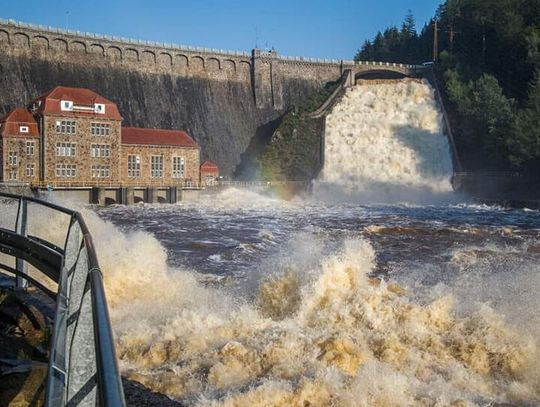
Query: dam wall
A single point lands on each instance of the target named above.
(222, 98)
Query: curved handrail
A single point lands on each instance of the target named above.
(83, 367)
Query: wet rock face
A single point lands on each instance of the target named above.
(220, 114)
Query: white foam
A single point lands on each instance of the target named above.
(385, 143)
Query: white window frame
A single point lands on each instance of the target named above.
(30, 147)
(100, 151)
(30, 170)
(12, 158)
(23, 129)
(178, 167)
(66, 127)
(134, 166)
(156, 166)
(100, 171)
(66, 149)
(210, 180)
(13, 175)
(100, 129)
(66, 170)
(66, 105)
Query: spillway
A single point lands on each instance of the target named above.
(384, 141)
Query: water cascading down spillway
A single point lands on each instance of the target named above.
(384, 142)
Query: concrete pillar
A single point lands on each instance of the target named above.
(265, 79)
(175, 194)
(350, 79)
(98, 196)
(151, 195)
(127, 196)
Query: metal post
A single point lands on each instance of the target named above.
(22, 227)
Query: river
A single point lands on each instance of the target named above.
(244, 299)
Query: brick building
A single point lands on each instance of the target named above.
(80, 133)
(74, 137)
(159, 156)
(209, 173)
(19, 147)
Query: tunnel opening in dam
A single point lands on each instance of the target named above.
(379, 74)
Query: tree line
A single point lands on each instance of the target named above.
(488, 58)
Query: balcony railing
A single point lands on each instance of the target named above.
(82, 368)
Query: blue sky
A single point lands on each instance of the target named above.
(312, 28)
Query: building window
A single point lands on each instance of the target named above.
(23, 129)
(101, 150)
(178, 167)
(210, 180)
(12, 176)
(66, 105)
(30, 170)
(99, 108)
(65, 149)
(100, 129)
(156, 168)
(134, 166)
(66, 170)
(66, 126)
(101, 171)
(30, 145)
(12, 158)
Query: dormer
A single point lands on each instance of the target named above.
(66, 105)
(99, 108)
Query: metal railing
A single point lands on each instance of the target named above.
(269, 184)
(82, 368)
(85, 184)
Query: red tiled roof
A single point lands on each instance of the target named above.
(209, 166)
(11, 123)
(156, 137)
(49, 103)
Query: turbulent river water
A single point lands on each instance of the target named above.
(244, 300)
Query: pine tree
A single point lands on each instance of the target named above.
(525, 145)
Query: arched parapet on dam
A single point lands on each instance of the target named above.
(384, 70)
(22, 39)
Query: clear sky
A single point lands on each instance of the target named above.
(311, 28)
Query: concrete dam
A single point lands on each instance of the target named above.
(222, 98)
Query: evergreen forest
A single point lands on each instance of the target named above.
(486, 54)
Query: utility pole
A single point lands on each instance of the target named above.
(452, 34)
(435, 40)
(484, 48)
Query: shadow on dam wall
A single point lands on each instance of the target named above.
(248, 169)
(221, 115)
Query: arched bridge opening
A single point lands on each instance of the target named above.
(379, 74)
